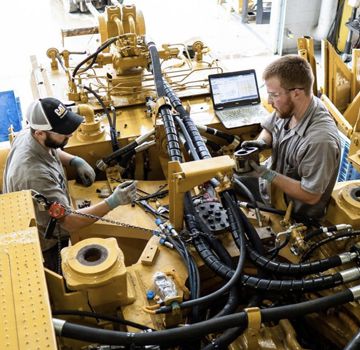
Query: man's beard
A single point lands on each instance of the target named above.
(286, 113)
(49, 142)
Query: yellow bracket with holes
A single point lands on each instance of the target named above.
(25, 315)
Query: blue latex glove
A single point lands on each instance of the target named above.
(123, 194)
(260, 144)
(84, 170)
(262, 171)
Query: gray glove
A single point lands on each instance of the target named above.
(262, 171)
(84, 170)
(123, 194)
(260, 144)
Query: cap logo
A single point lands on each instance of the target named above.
(60, 111)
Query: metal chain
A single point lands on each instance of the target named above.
(118, 223)
(42, 200)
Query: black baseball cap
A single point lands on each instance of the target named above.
(50, 114)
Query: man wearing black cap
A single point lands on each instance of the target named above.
(36, 162)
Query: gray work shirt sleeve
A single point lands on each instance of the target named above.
(317, 166)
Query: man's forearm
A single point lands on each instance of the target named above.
(266, 136)
(73, 222)
(293, 189)
(65, 157)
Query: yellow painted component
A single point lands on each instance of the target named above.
(356, 72)
(344, 31)
(339, 80)
(103, 30)
(96, 266)
(254, 325)
(306, 50)
(25, 315)
(4, 151)
(254, 318)
(344, 206)
(185, 176)
(343, 125)
(52, 53)
(150, 252)
(354, 151)
(91, 129)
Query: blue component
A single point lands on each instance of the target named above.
(346, 170)
(150, 295)
(162, 240)
(10, 113)
(158, 221)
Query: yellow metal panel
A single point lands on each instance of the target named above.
(25, 315)
(343, 33)
(16, 211)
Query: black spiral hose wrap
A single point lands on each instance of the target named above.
(172, 139)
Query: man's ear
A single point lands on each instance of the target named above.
(40, 134)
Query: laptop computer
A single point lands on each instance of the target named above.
(236, 98)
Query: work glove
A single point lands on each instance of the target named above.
(259, 144)
(84, 170)
(123, 194)
(262, 171)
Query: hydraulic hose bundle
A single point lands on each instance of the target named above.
(172, 336)
(190, 126)
(165, 109)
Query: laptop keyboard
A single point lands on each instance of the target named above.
(245, 115)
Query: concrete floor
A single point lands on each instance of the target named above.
(31, 27)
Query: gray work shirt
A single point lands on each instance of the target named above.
(30, 166)
(309, 152)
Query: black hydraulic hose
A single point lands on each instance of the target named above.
(210, 297)
(156, 69)
(252, 234)
(218, 249)
(173, 146)
(101, 317)
(193, 131)
(354, 343)
(245, 190)
(307, 307)
(231, 304)
(321, 230)
(113, 132)
(196, 137)
(120, 152)
(233, 298)
(262, 284)
(213, 145)
(175, 336)
(293, 269)
(232, 281)
(190, 126)
(317, 245)
(319, 283)
(225, 339)
(93, 56)
(187, 137)
(211, 131)
(300, 218)
(273, 252)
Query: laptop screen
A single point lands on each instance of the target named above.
(234, 89)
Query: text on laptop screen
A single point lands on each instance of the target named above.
(234, 88)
